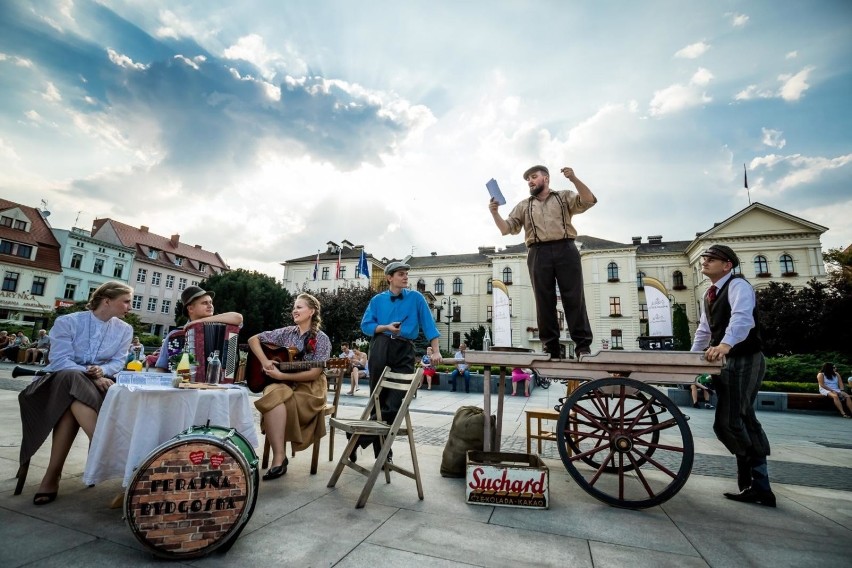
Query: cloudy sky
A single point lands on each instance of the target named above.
(263, 129)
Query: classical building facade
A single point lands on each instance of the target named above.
(335, 267)
(772, 246)
(87, 263)
(30, 265)
(162, 267)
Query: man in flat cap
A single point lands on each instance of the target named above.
(729, 328)
(553, 259)
(198, 305)
(393, 320)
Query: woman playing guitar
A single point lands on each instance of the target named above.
(292, 402)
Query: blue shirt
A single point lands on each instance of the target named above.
(411, 309)
(81, 339)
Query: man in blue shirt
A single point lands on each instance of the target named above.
(728, 328)
(393, 320)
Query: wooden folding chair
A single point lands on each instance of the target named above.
(387, 433)
(337, 370)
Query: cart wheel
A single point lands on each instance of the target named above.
(628, 428)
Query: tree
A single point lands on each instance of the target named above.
(139, 327)
(261, 300)
(475, 338)
(342, 311)
(680, 325)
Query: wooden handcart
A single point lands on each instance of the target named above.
(621, 439)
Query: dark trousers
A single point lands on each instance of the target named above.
(549, 264)
(736, 424)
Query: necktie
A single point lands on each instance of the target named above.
(711, 294)
(395, 298)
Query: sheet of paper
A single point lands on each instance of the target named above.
(494, 191)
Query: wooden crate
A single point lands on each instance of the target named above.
(507, 480)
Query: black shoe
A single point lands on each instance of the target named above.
(696, 405)
(454, 390)
(752, 495)
(467, 391)
(353, 457)
(276, 472)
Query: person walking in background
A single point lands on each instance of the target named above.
(831, 385)
(729, 328)
(553, 259)
(462, 369)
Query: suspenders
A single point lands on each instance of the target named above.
(532, 221)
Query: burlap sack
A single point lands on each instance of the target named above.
(466, 433)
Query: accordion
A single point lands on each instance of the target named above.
(202, 339)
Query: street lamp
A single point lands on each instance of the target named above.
(450, 303)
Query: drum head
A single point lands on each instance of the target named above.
(192, 495)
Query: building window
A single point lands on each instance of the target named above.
(202, 267)
(153, 254)
(489, 286)
(614, 306)
(137, 302)
(456, 339)
(507, 276)
(178, 261)
(560, 315)
(325, 271)
(456, 313)
(643, 311)
(142, 275)
(10, 281)
(457, 285)
(342, 273)
(677, 280)
(39, 284)
(421, 285)
(76, 260)
(612, 272)
(92, 290)
(152, 304)
(155, 278)
(738, 269)
(6, 247)
(439, 286)
(6, 221)
(170, 281)
(195, 282)
(24, 251)
(181, 284)
(640, 280)
(70, 291)
(761, 267)
(489, 313)
(615, 339)
(787, 266)
(99, 266)
(118, 271)
(166, 307)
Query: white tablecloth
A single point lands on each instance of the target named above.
(133, 421)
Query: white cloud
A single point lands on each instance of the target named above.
(51, 93)
(678, 97)
(693, 51)
(19, 61)
(124, 61)
(773, 138)
(252, 48)
(794, 85)
(191, 62)
(8, 152)
(792, 55)
(802, 169)
(738, 20)
(753, 92)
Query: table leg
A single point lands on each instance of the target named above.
(486, 406)
(501, 391)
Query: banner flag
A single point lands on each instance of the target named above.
(316, 266)
(363, 269)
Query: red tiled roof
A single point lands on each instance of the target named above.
(145, 240)
(48, 255)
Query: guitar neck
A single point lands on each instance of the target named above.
(298, 365)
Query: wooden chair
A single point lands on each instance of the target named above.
(338, 370)
(387, 433)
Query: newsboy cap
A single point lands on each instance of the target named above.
(192, 293)
(722, 252)
(394, 266)
(534, 169)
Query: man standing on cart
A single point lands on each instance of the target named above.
(729, 328)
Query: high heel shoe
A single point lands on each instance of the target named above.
(276, 472)
(45, 498)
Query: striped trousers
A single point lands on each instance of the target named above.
(736, 424)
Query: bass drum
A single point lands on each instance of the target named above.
(194, 494)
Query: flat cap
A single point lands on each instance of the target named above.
(534, 169)
(394, 266)
(192, 293)
(722, 252)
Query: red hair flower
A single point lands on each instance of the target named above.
(312, 344)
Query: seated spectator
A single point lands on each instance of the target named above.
(14, 347)
(429, 371)
(521, 376)
(461, 369)
(136, 350)
(702, 383)
(39, 350)
(4, 339)
(359, 370)
(830, 385)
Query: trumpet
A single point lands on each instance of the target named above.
(20, 371)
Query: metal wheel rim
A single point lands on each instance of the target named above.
(638, 479)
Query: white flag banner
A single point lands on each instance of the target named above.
(501, 318)
(659, 308)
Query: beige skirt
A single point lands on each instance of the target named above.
(304, 402)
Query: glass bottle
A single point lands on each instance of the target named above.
(214, 369)
(183, 369)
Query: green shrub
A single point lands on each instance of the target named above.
(804, 368)
(779, 386)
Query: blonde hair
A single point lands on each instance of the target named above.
(108, 291)
(313, 303)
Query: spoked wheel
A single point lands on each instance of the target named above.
(543, 382)
(630, 430)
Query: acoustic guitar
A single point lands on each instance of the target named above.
(288, 360)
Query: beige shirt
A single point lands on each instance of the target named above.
(548, 220)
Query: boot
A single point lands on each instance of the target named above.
(743, 472)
